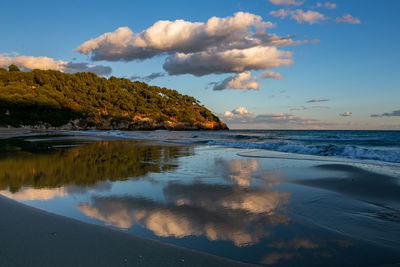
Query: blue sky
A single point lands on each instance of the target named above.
(354, 66)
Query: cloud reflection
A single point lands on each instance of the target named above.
(219, 212)
(27, 194)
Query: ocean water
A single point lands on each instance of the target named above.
(304, 198)
(380, 146)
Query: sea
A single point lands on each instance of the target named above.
(381, 147)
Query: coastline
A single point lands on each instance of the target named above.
(52, 240)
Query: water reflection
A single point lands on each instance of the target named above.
(23, 166)
(242, 215)
(214, 201)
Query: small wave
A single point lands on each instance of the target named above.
(331, 150)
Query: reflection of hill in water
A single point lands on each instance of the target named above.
(22, 164)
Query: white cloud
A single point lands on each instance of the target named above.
(241, 81)
(46, 63)
(281, 13)
(348, 19)
(271, 75)
(327, 5)
(299, 15)
(245, 81)
(346, 114)
(241, 111)
(286, 2)
(315, 100)
(175, 36)
(227, 61)
(307, 16)
(234, 44)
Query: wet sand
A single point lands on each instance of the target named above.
(32, 237)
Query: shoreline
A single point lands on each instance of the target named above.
(48, 239)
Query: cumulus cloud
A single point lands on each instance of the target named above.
(245, 81)
(228, 61)
(46, 63)
(175, 36)
(307, 16)
(286, 2)
(346, 114)
(394, 113)
(299, 15)
(234, 44)
(317, 100)
(238, 113)
(327, 5)
(149, 77)
(241, 81)
(348, 19)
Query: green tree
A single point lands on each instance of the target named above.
(13, 68)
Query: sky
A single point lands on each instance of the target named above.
(257, 64)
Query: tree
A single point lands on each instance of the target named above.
(13, 68)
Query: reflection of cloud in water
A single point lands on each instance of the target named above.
(295, 243)
(216, 211)
(29, 194)
(239, 170)
(222, 198)
(274, 257)
(244, 171)
(26, 194)
(292, 247)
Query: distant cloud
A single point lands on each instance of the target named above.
(281, 13)
(394, 113)
(327, 5)
(46, 63)
(348, 19)
(240, 113)
(307, 16)
(286, 2)
(149, 77)
(299, 15)
(346, 114)
(234, 44)
(272, 75)
(317, 100)
(246, 119)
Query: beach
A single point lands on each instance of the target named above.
(32, 237)
(113, 199)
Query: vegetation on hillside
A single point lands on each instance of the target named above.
(53, 98)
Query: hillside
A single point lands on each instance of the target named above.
(53, 99)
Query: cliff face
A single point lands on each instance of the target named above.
(138, 124)
(51, 99)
